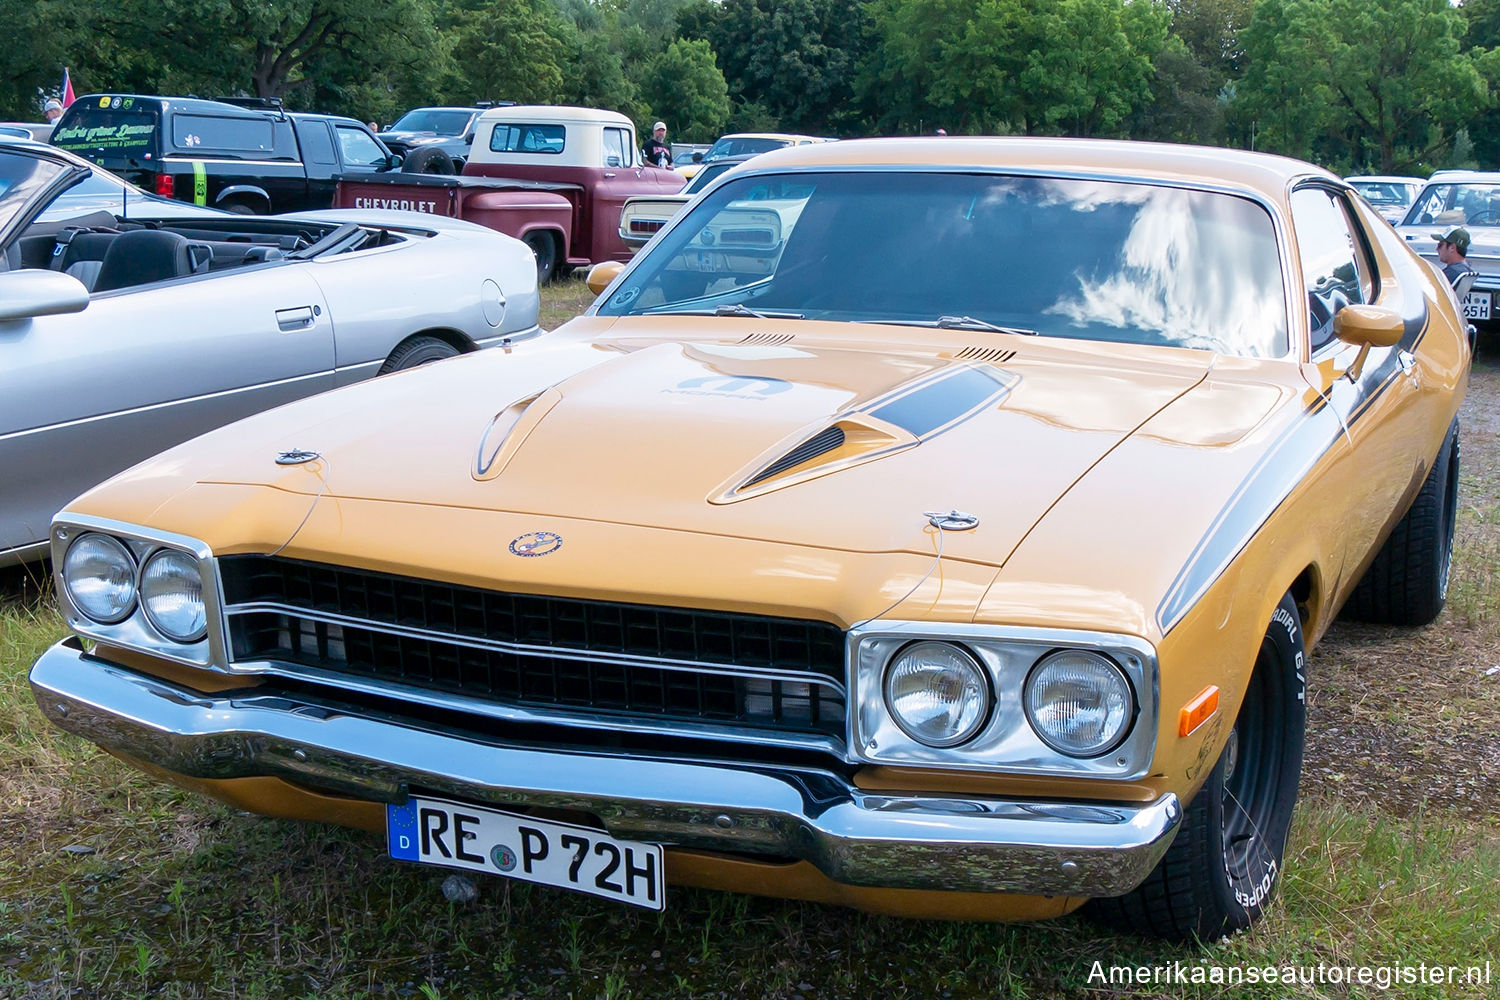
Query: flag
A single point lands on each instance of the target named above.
(68, 97)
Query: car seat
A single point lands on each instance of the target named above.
(148, 255)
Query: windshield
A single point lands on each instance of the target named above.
(1133, 263)
(705, 176)
(731, 145)
(1384, 193)
(434, 120)
(21, 178)
(1456, 205)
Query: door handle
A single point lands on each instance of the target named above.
(299, 318)
(608, 173)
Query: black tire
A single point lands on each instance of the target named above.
(427, 160)
(415, 351)
(1407, 584)
(548, 258)
(1225, 862)
(240, 208)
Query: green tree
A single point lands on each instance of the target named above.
(1362, 84)
(686, 89)
(514, 50)
(797, 58)
(1077, 67)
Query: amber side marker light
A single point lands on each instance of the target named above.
(1196, 712)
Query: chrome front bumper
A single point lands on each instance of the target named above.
(852, 836)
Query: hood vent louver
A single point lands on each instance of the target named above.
(989, 355)
(819, 444)
(766, 339)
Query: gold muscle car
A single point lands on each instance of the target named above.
(955, 556)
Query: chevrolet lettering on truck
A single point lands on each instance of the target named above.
(555, 178)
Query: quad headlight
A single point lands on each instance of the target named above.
(100, 576)
(171, 593)
(1079, 702)
(937, 693)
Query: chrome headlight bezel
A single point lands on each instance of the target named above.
(1007, 742)
(136, 631)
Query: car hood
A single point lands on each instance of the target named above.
(804, 438)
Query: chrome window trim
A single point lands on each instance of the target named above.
(522, 649)
(1296, 346)
(1007, 743)
(334, 681)
(136, 632)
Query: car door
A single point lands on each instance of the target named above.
(621, 176)
(140, 369)
(1381, 412)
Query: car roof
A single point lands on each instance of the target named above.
(1385, 179)
(1208, 166)
(198, 104)
(554, 113)
(1465, 177)
(792, 136)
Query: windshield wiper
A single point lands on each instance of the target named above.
(970, 323)
(734, 309)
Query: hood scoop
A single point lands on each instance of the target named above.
(895, 421)
(507, 430)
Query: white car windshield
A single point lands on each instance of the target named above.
(1475, 204)
(434, 120)
(1097, 260)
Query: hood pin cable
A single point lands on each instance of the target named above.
(943, 521)
(297, 456)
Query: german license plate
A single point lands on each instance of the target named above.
(458, 835)
(1477, 305)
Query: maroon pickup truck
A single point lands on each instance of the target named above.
(553, 177)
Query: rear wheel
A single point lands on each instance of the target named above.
(1223, 866)
(1407, 584)
(240, 208)
(415, 351)
(544, 246)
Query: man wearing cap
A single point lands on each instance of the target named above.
(52, 109)
(1452, 251)
(658, 153)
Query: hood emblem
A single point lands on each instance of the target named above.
(536, 543)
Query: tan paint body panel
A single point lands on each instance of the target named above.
(1212, 483)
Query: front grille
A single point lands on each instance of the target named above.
(558, 655)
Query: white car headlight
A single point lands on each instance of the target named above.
(1080, 703)
(172, 594)
(937, 693)
(99, 574)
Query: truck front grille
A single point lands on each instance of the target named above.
(577, 661)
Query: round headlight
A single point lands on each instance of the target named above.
(99, 573)
(172, 594)
(1080, 703)
(937, 694)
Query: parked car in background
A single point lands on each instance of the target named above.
(1468, 198)
(250, 156)
(26, 130)
(642, 216)
(553, 177)
(435, 140)
(129, 323)
(1391, 196)
(745, 144)
(909, 568)
(684, 153)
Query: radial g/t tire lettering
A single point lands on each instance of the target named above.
(1225, 863)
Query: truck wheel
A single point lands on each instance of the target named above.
(1224, 864)
(1407, 583)
(427, 160)
(240, 208)
(544, 245)
(415, 351)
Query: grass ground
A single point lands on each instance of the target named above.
(114, 886)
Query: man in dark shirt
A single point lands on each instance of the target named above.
(1452, 251)
(658, 153)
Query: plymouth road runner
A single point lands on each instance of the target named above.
(948, 545)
